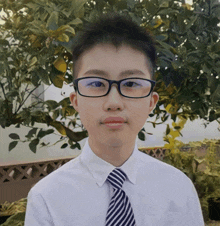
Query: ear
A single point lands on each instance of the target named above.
(73, 100)
(154, 100)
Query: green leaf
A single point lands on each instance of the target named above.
(59, 127)
(212, 116)
(31, 133)
(214, 56)
(199, 160)
(12, 145)
(167, 11)
(151, 7)
(16, 219)
(13, 93)
(111, 2)
(43, 76)
(131, 3)
(2, 68)
(1, 103)
(65, 102)
(164, 119)
(216, 47)
(33, 145)
(69, 110)
(164, 45)
(43, 133)
(141, 136)
(35, 79)
(163, 3)
(175, 65)
(215, 97)
(177, 127)
(14, 136)
(52, 104)
(56, 77)
(56, 114)
(64, 145)
(180, 20)
(67, 45)
(52, 22)
(78, 6)
(216, 10)
(162, 37)
(78, 146)
(191, 22)
(18, 125)
(70, 29)
(2, 122)
(75, 22)
(33, 61)
(4, 42)
(206, 69)
(167, 129)
(120, 5)
(196, 44)
(37, 113)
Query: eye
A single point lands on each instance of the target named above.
(131, 84)
(96, 84)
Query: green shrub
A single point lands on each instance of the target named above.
(16, 211)
(204, 171)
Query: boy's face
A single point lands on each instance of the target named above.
(93, 111)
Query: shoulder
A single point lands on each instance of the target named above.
(70, 171)
(164, 179)
(162, 171)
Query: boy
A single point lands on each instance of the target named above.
(111, 182)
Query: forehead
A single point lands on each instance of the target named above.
(107, 57)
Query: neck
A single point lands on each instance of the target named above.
(115, 153)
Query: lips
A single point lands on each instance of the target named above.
(114, 120)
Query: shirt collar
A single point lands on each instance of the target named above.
(100, 169)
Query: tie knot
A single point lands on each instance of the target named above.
(117, 178)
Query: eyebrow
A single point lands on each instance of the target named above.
(122, 74)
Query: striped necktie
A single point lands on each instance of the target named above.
(120, 212)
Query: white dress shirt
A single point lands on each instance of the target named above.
(78, 194)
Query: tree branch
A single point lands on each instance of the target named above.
(38, 97)
(26, 99)
(3, 90)
(8, 109)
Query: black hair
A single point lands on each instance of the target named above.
(117, 29)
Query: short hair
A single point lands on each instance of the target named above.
(117, 29)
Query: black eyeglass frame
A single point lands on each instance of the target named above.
(75, 84)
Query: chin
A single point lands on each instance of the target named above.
(115, 142)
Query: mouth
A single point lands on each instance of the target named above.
(114, 122)
(114, 125)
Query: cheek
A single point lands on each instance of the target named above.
(139, 114)
(89, 114)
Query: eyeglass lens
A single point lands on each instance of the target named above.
(130, 87)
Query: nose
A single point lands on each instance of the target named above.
(114, 99)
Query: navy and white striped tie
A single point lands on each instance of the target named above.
(120, 212)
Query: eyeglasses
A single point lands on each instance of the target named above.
(128, 87)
